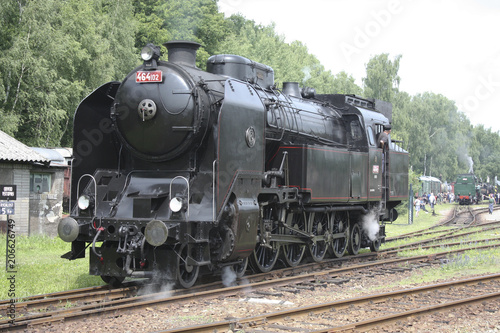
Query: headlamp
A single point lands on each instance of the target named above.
(150, 51)
(176, 204)
(146, 53)
(83, 202)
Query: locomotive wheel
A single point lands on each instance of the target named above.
(354, 239)
(186, 274)
(114, 281)
(375, 245)
(293, 252)
(319, 227)
(265, 256)
(340, 224)
(239, 269)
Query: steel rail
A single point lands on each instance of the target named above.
(163, 298)
(371, 323)
(324, 307)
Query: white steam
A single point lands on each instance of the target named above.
(159, 288)
(156, 292)
(370, 225)
(228, 276)
(307, 74)
(471, 164)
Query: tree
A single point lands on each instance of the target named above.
(291, 62)
(59, 51)
(435, 131)
(382, 79)
(150, 23)
(485, 149)
(344, 83)
(196, 20)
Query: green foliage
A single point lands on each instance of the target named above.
(150, 23)
(291, 62)
(194, 20)
(55, 52)
(344, 84)
(382, 79)
(59, 52)
(440, 139)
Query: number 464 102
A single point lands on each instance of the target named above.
(148, 76)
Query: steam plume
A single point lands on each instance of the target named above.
(370, 225)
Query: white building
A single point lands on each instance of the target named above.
(40, 186)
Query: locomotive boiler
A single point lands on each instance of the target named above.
(179, 172)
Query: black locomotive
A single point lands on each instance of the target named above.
(179, 172)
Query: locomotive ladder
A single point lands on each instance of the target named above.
(385, 184)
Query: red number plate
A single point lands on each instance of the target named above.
(148, 76)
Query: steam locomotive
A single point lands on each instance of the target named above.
(179, 172)
(467, 189)
(470, 189)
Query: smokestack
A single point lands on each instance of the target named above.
(291, 89)
(182, 52)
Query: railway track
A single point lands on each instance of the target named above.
(66, 298)
(80, 302)
(57, 307)
(461, 217)
(339, 316)
(447, 235)
(32, 318)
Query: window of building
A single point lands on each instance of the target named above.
(40, 182)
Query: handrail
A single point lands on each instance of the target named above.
(95, 191)
(213, 190)
(170, 190)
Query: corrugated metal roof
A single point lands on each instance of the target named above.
(67, 153)
(49, 154)
(55, 158)
(429, 178)
(15, 151)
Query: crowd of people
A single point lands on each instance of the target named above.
(430, 199)
(422, 201)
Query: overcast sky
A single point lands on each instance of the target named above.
(448, 47)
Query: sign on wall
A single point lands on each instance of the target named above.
(7, 208)
(8, 192)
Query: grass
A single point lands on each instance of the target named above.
(471, 262)
(458, 265)
(40, 268)
(423, 221)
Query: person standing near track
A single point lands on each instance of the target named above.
(491, 203)
(432, 202)
(417, 206)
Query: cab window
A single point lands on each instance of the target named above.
(371, 136)
(356, 132)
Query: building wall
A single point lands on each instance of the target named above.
(46, 208)
(35, 213)
(17, 174)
